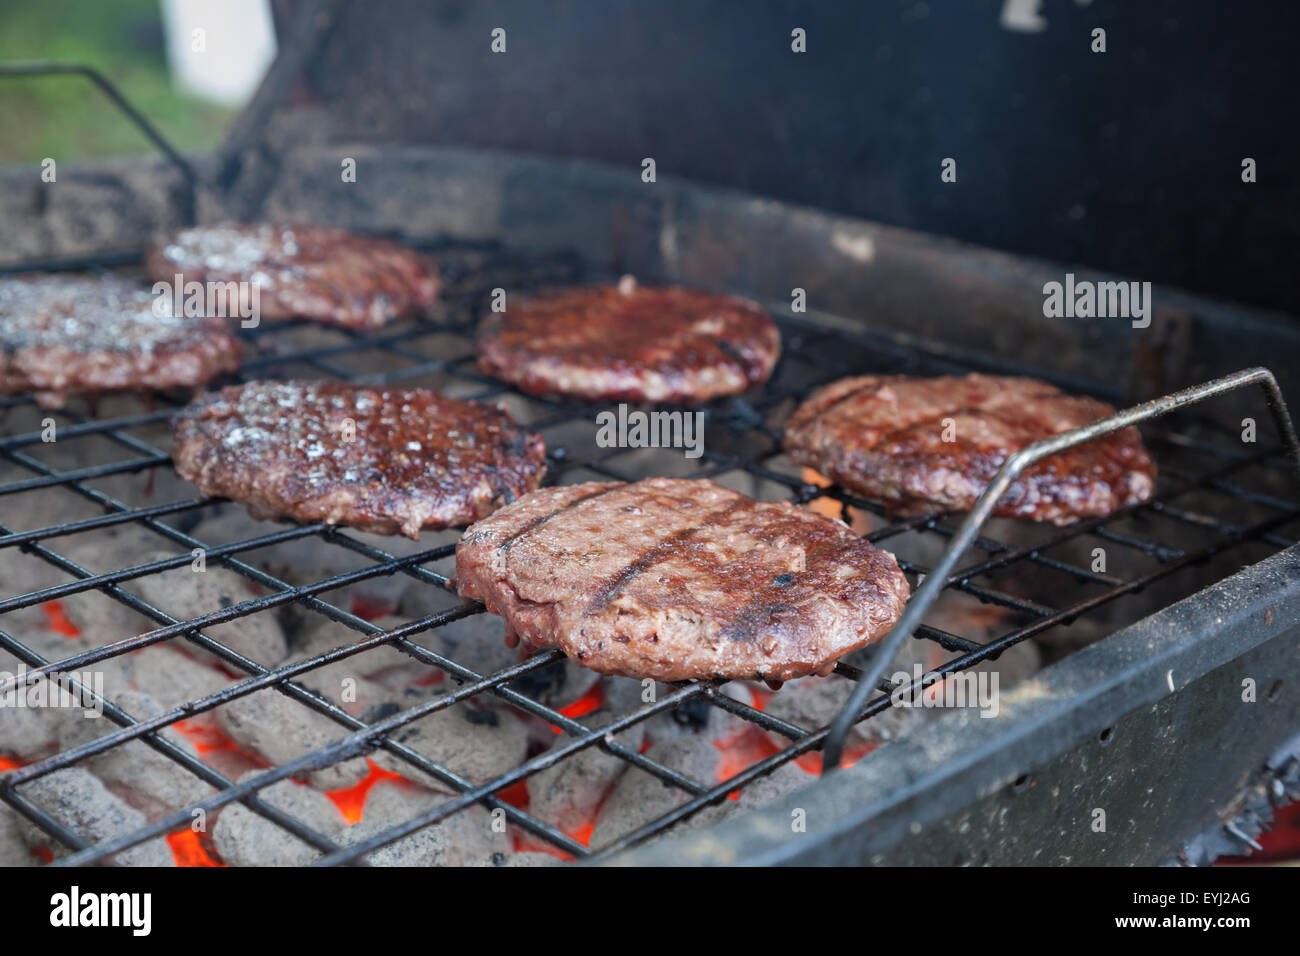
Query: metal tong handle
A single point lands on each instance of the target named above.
(188, 210)
(937, 579)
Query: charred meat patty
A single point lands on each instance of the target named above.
(675, 579)
(303, 271)
(630, 342)
(64, 335)
(926, 443)
(385, 460)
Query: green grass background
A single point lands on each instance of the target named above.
(67, 117)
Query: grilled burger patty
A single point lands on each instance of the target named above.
(63, 335)
(378, 459)
(675, 579)
(883, 437)
(303, 271)
(631, 342)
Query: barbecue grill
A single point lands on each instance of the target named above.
(1140, 712)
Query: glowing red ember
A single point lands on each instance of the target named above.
(352, 800)
(59, 621)
(188, 850)
(592, 700)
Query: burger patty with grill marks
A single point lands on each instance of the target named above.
(675, 579)
(303, 271)
(65, 335)
(925, 443)
(631, 342)
(384, 460)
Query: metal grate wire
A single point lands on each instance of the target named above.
(1225, 497)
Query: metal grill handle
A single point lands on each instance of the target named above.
(188, 209)
(1017, 462)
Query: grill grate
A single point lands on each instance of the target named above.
(1217, 503)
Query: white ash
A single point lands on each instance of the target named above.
(296, 561)
(102, 550)
(639, 797)
(245, 838)
(341, 685)
(145, 489)
(466, 838)
(472, 642)
(314, 634)
(786, 779)
(41, 507)
(568, 794)
(623, 696)
(693, 717)
(28, 733)
(347, 682)
(279, 730)
(150, 781)
(49, 644)
(390, 670)
(172, 676)
(811, 703)
(13, 847)
(186, 594)
(478, 743)
(180, 592)
(974, 620)
(104, 620)
(310, 558)
(477, 642)
(557, 684)
(1016, 663)
(519, 858)
(22, 573)
(81, 802)
(416, 599)
(480, 739)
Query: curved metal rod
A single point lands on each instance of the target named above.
(1017, 462)
(141, 122)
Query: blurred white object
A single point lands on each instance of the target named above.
(218, 50)
(1023, 16)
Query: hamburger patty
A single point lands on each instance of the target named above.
(378, 459)
(674, 579)
(631, 342)
(303, 271)
(884, 438)
(64, 335)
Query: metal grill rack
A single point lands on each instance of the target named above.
(1226, 497)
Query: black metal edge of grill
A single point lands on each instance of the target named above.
(656, 238)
